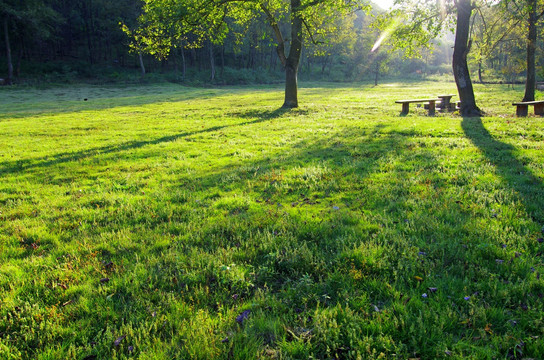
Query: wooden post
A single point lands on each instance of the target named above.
(522, 110)
(539, 109)
(405, 108)
(432, 107)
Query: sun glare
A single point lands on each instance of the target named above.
(387, 32)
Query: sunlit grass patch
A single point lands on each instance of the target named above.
(170, 222)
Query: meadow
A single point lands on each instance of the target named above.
(167, 222)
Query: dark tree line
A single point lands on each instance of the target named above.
(70, 30)
(84, 38)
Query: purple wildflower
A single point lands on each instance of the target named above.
(243, 316)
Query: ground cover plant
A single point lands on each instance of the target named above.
(164, 222)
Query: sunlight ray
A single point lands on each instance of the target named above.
(386, 33)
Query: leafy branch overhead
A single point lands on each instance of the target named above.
(165, 24)
(413, 25)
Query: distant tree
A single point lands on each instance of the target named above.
(7, 13)
(208, 19)
(531, 12)
(491, 29)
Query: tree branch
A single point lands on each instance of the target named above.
(280, 49)
(315, 42)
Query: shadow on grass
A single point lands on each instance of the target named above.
(265, 114)
(312, 266)
(511, 169)
(10, 167)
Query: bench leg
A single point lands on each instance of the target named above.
(432, 107)
(522, 110)
(405, 108)
(539, 109)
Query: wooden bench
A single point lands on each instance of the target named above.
(406, 105)
(522, 108)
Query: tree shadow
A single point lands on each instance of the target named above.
(399, 218)
(321, 151)
(265, 114)
(509, 167)
(10, 167)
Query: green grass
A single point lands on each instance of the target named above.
(167, 222)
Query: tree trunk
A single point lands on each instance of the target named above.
(500, 57)
(480, 77)
(293, 60)
(175, 60)
(530, 82)
(222, 60)
(252, 54)
(183, 63)
(376, 72)
(19, 60)
(88, 33)
(291, 88)
(324, 65)
(460, 66)
(142, 66)
(212, 63)
(9, 80)
(194, 58)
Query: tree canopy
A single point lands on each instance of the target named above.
(166, 23)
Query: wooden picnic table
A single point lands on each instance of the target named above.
(445, 102)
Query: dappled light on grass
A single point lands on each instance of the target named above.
(211, 227)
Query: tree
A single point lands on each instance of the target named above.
(491, 30)
(531, 50)
(460, 64)
(531, 11)
(338, 48)
(208, 20)
(424, 21)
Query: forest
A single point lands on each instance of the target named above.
(50, 41)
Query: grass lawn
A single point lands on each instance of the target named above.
(165, 222)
